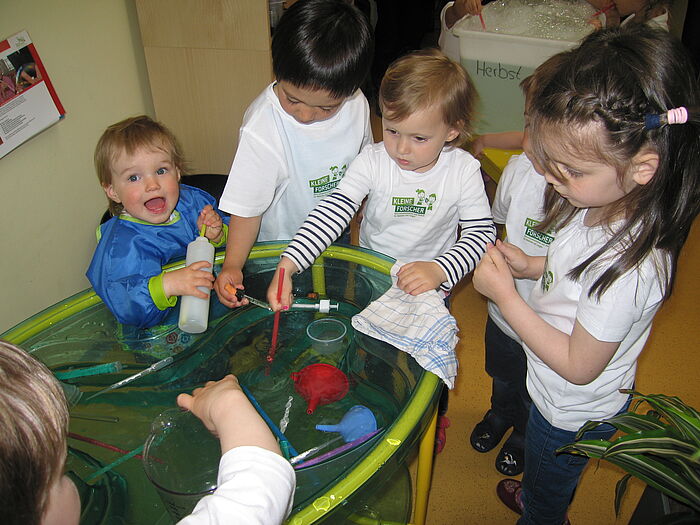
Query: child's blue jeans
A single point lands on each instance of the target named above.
(549, 480)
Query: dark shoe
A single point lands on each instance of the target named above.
(441, 434)
(509, 492)
(511, 459)
(488, 432)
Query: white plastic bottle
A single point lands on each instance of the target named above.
(194, 311)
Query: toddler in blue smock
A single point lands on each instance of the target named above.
(139, 163)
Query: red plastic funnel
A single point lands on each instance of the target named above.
(320, 384)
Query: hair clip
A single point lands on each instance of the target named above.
(673, 116)
(677, 115)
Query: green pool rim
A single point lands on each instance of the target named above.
(400, 431)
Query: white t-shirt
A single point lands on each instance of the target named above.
(624, 313)
(518, 205)
(414, 216)
(254, 487)
(283, 168)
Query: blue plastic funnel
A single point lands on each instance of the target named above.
(357, 422)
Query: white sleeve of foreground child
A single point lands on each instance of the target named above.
(255, 487)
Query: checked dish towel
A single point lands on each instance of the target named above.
(419, 325)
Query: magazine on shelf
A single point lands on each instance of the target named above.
(28, 101)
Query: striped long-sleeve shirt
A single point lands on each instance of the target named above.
(442, 215)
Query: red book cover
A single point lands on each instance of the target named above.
(28, 101)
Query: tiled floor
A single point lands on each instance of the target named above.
(464, 481)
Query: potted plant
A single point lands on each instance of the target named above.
(661, 447)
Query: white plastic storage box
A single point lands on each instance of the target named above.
(497, 63)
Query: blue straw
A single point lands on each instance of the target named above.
(276, 431)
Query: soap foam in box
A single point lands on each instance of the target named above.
(497, 63)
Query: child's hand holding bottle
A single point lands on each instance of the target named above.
(212, 220)
(185, 281)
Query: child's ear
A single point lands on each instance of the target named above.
(179, 175)
(111, 194)
(453, 134)
(645, 165)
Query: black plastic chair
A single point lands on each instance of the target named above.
(212, 183)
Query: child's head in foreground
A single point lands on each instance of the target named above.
(427, 101)
(616, 130)
(139, 163)
(33, 423)
(321, 54)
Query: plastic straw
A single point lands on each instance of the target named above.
(100, 444)
(153, 368)
(117, 462)
(336, 451)
(284, 447)
(203, 230)
(483, 24)
(301, 457)
(276, 323)
(90, 417)
(276, 431)
(106, 368)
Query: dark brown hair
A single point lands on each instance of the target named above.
(595, 107)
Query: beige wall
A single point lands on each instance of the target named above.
(50, 200)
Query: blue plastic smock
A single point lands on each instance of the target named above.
(131, 252)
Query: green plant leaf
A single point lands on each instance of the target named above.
(661, 447)
(676, 413)
(652, 471)
(627, 422)
(655, 442)
(620, 489)
(593, 448)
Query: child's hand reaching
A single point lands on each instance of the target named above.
(212, 220)
(492, 277)
(460, 9)
(477, 146)
(185, 281)
(420, 276)
(226, 412)
(286, 299)
(522, 266)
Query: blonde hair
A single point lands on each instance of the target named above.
(128, 136)
(428, 78)
(33, 428)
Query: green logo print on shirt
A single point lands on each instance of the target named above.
(325, 185)
(536, 237)
(413, 206)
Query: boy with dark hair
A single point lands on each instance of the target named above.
(302, 131)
